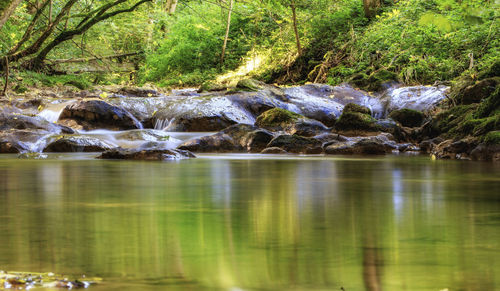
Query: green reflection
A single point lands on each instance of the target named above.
(395, 223)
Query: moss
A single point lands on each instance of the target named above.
(276, 117)
(490, 105)
(356, 121)
(373, 81)
(250, 85)
(408, 117)
(492, 137)
(446, 120)
(351, 107)
(478, 91)
(211, 86)
(491, 71)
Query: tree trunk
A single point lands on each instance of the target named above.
(6, 10)
(227, 32)
(370, 7)
(295, 29)
(171, 6)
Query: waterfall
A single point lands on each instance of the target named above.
(52, 112)
(163, 124)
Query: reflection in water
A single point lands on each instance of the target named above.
(315, 224)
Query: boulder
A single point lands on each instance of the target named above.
(352, 107)
(296, 144)
(450, 149)
(278, 119)
(22, 122)
(97, 114)
(362, 147)
(150, 155)
(202, 114)
(231, 139)
(76, 143)
(357, 122)
(407, 117)
(486, 152)
(256, 141)
(25, 140)
(273, 150)
(478, 91)
(7, 147)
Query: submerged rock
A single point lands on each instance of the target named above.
(76, 143)
(150, 155)
(97, 114)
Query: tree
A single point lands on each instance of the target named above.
(53, 34)
(370, 7)
(6, 10)
(295, 29)
(228, 25)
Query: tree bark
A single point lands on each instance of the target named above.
(171, 6)
(227, 31)
(7, 9)
(370, 7)
(295, 29)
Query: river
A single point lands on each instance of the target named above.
(253, 222)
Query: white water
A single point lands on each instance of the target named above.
(52, 112)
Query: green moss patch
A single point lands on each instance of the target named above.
(356, 121)
(277, 117)
(492, 137)
(351, 107)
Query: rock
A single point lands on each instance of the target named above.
(450, 149)
(144, 135)
(32, 156)
(26, 140)
(21, 122)
(203, 113)
(97, 114)
(7, 147)
(231, 139)
(373, 81)
(407, 117)
(138, 92)
(250, 85)
(351, 107)
(428, 145)
(273, 150)
(150, 155)
(421, 98)
(357, 122)
(486, 152)
(362, 147)
(76, 143)
(327, 138)
(278, 119)
(210, 86)
(478, 91)
(296, 144)
(256, 141)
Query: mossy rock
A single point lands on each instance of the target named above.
(492, 137)
(373, 81)
(445, 121)
(408, 117)
(250, 85)
(356, 121)
(277, 117)
(352, 107)
(79, 84)
(490, 105)
(477, 91)
(210, 86)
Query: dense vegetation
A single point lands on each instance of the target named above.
(412, 41)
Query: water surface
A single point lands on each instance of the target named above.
(243, 222)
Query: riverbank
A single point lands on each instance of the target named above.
(253, 117)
